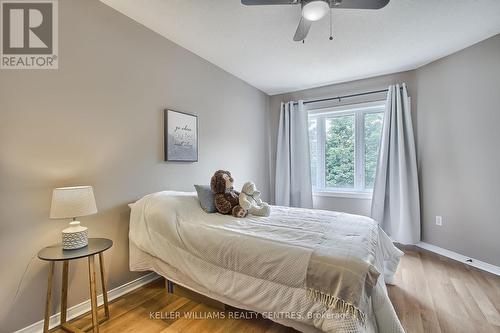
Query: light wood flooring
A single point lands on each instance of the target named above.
(432, 294)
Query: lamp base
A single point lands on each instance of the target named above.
(75, 236)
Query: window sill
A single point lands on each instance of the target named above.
(344, 194)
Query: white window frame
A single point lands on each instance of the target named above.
(359, 111)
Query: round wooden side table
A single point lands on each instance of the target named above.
(56, 253)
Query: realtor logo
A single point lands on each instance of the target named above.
(29, 34)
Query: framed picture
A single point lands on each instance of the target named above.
(181, 136)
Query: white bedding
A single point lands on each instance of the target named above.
(248, 264)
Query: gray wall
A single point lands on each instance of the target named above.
(456, 116)
(459, 153)
(98, 120)
(349, 205)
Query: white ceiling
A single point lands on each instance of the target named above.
(255, 43)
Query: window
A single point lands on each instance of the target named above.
(344, 144)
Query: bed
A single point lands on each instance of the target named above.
(313, 270)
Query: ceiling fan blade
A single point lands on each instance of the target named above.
(302, 30)
(268, 2)
(359, 4)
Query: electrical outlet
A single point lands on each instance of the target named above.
(439, 220)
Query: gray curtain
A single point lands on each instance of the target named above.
(395, 203)
(293, 170)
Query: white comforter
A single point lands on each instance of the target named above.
(231, 256)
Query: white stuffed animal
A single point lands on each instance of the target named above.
(250, 200)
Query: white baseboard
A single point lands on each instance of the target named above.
(459, 257)
(84, 307)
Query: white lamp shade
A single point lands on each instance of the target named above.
(70, 202)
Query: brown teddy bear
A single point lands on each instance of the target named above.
(226, 198)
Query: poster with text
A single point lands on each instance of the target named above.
(181, 137)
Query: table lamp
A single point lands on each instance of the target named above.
(70, 203)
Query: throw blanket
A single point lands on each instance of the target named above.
(341, 270)
(328, 253)
(341, 273)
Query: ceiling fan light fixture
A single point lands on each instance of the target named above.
(315, 10)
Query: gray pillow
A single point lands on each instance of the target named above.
(206, 198)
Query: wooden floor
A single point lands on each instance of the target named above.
(435, 294)
(432, 294)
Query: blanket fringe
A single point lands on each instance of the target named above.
(336, 303)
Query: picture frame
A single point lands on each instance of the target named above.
(181, 136)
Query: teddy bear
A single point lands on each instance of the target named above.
(225, 197)
(250, 200)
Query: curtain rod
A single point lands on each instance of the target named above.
(345, 96)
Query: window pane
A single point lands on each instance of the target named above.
(313, 147)
(373, 130)
(339, 153)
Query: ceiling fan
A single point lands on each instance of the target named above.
(314, 10)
